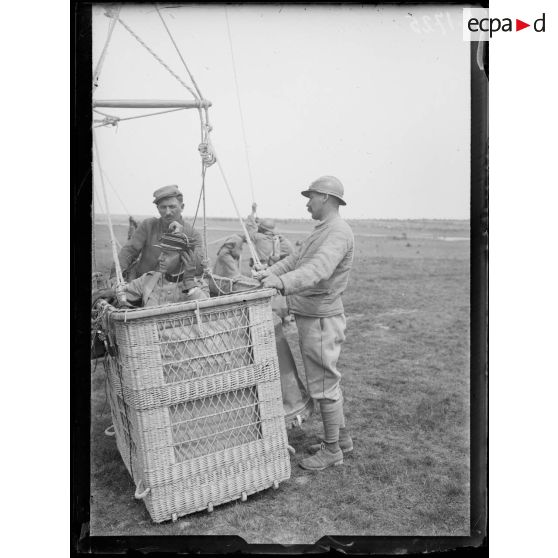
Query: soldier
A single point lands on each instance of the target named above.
(227, 263)
(173, 282)
(270, 246)
(313, 281)
(141, 254)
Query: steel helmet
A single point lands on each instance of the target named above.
(327, 185)
(267, 225)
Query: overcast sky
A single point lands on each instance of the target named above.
(373, 95)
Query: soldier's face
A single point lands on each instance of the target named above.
(316, 204)
(169, 261)
(170, 209)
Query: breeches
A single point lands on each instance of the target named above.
(320, 342)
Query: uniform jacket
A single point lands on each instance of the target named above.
(316, 276)
(270, 247)
(226, 265)
(142, 242)
(153, 290)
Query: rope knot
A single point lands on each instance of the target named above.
(207, 154)
(110, 121)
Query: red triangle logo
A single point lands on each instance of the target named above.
(519, 25)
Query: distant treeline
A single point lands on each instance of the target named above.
(388, 223)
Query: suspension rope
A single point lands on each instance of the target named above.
(111, 120)
(251, 247)
(121, 295)
(240, 107)
(178, 51)
(198, 205)
(104, 212)
(206, 258)
(117, 195)
(101, 61)
(138, 39)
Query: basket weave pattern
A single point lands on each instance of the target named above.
(196, 401)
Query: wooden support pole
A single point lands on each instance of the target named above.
(134, 103)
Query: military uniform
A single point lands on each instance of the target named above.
(313, 281)
(155, 288)
(227, 263)
(144, 242)
(269, 246)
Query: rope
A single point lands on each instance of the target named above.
(240, 107)
(179, 53)
(206, 258)
(230, 281)
(157, 58)
(251, 247)
(120, 280)
(101, 207)
(111, 120)
(198, 206)
(205, 149)
(117, 195)
(101, 61)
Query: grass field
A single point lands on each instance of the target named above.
(405, 368)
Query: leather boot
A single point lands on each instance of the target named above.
(329, 452)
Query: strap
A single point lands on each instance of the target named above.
(150, 284)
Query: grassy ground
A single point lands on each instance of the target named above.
(405, 368)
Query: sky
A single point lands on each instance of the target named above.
(377, 96)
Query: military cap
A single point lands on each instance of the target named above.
(173, 241)
(267, 225)
(171, 191)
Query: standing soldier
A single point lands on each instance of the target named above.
(314, 280)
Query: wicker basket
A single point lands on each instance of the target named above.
(196, 401)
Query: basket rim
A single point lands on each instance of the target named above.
(127, 314)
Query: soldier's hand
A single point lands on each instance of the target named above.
(272, 282)
(124, 304)
(259, 274)
(254, 207)
(176, 227)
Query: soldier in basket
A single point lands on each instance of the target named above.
(173, 282)
(141, 253)
(227, 263)
(313, 280)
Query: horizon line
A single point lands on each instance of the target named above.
(302, 219)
